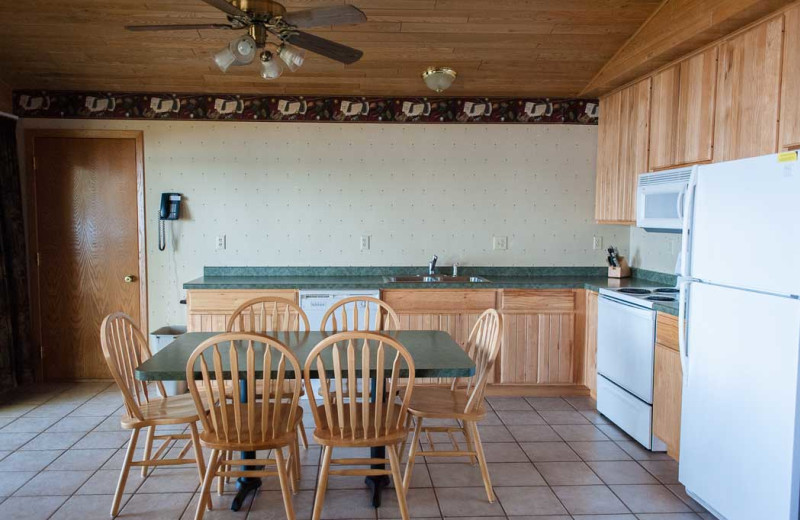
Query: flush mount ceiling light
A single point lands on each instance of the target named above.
(439, 78)
(265, 18)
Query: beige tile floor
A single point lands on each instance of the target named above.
(61, 449)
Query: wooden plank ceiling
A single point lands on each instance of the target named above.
(498, 48)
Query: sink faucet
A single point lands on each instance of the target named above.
(432, 266)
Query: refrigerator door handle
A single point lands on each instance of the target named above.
(688, 208)
(683, 352)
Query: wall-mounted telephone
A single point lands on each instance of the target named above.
(170, 210)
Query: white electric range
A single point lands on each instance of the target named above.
(626, 335)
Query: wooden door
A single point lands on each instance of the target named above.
(88, 236)
(790, 101)
(749, 93)
(694, 140)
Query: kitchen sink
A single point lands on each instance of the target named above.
(435, 279)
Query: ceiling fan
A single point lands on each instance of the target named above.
(263, 18)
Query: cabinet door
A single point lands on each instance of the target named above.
(608, 156)
(664, 117)
(667, 389)
(749, 90)
(695, 115)
(790, 101)
(622, 152)
(590, 356)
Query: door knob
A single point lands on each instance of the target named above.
(129, 278)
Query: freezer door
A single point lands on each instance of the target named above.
(744, 226)
(739, 427)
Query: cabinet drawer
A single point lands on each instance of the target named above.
(425, 301)
(538, 301)
(667, 330)
(225, 301)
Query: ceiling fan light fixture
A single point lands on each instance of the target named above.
(270, 67)
(244, 48)
(439, 79)
(224, 59)
(292, 56)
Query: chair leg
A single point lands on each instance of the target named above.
(205, 495)
(222, 480)
(294, 473)
(394, 462)
(123, 474)
(228, 456)
(302, 431)
(198, 454)
(404, 442)
(284, 479)
(487, 482)
(412, 454)
(468, 437)
(148, 448)
(322, 484)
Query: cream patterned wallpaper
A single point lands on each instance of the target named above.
(303, 194)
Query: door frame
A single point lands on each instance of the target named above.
(32, 238)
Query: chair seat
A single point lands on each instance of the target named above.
(328, 436)
(279, 432)
(442, 403)
(162, 411)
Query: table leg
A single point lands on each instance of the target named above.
(244, 485)
(377, 483)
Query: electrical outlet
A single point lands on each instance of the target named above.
(499, 243)
(364, 243)
(597, 243)
(220, 243)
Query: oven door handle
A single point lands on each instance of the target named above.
(642, 310)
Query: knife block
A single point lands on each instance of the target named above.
(623, 271)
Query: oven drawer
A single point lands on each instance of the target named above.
(626, 346)
(626, 411)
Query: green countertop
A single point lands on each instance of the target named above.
(591, 278)
(435, 354)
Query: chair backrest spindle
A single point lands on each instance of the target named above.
(482, 347)
(268, 314)
(345, 316)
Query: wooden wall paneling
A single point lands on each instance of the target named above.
(790, 81)
(694, 142)
(664, 117)
(667, 390)
(747, 107)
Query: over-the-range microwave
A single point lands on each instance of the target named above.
(660, 199)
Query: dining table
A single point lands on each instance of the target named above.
(435, 353)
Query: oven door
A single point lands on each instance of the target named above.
(626, 346)
(661, 207)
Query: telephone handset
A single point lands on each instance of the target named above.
(170, 210)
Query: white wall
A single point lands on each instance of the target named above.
(654, 251)
(302, 194)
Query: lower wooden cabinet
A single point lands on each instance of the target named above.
(667, 385)
(590, 342)
(538, 337)
(208, 310)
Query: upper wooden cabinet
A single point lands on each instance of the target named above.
(622, 152)
(682, 113)
(790, 101)
(748, 97)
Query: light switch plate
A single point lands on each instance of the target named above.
(499, 243)
(597, 243)
(364, 243)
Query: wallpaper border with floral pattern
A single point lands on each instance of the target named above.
(277, 108)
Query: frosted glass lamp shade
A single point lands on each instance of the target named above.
(292, 56)
(439, 79)
(270, 67)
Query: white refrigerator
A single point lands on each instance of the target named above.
(740, 346)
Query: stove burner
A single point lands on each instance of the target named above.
(634, 290)
(660, 299)
(666, 290)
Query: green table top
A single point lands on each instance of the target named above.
(435, 354)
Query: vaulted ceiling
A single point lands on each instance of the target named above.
(499, 47)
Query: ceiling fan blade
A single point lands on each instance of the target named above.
(178, 27)
(325, 47)
(227, 8)
(334, 15)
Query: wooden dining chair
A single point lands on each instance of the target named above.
(354, 314)
(243, 422)
(462, 402)
(270, 314)
(375, 362)
(124, 349)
